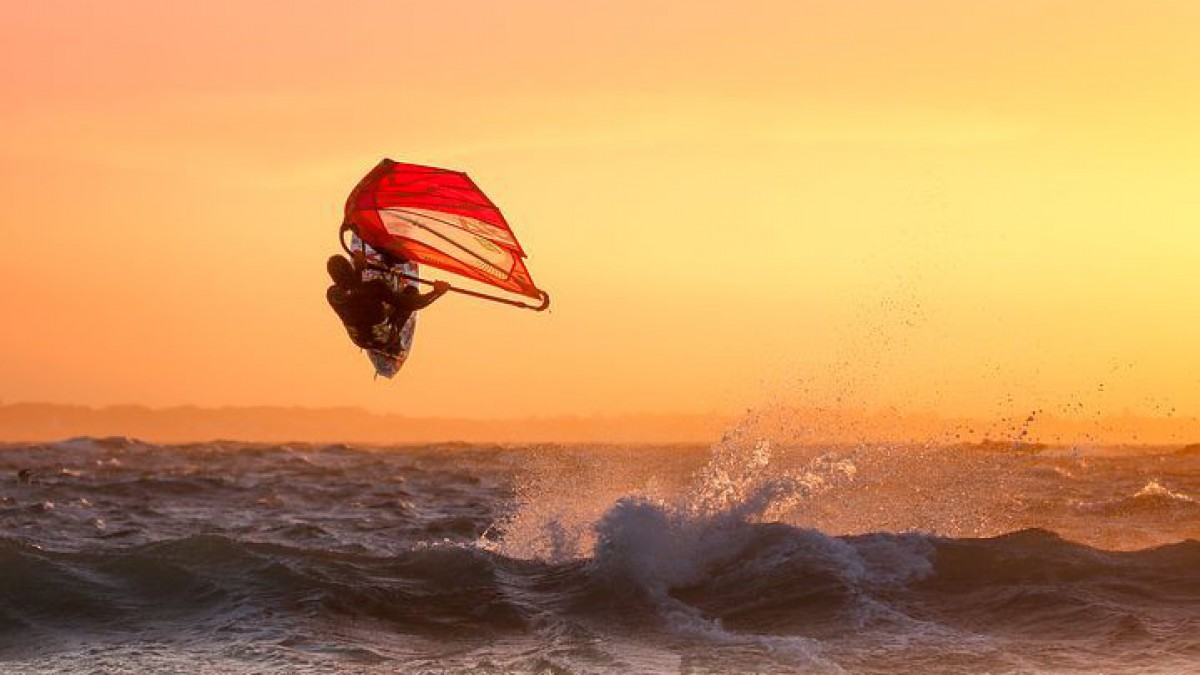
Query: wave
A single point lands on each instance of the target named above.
(762, 579)
(1151, 499)
(221, 579)
(719, 564)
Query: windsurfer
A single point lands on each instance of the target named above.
(369, 308)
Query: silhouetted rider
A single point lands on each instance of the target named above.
(372, 311)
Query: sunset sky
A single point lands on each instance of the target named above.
(964, 207)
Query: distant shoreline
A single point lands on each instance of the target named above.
(42, 422)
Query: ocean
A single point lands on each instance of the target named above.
(119, 556)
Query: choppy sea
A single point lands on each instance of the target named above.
(118, 556)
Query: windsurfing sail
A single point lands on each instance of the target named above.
(440, 218)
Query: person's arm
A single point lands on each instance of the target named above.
(412, 300)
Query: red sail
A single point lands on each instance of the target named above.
(440, 218)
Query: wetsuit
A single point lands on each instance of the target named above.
(373, 312)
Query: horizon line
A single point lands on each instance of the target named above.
(41, 421)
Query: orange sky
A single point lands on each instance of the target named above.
(966, 207)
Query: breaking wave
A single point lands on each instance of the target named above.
(746, 556)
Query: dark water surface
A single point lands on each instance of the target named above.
(118, 556)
